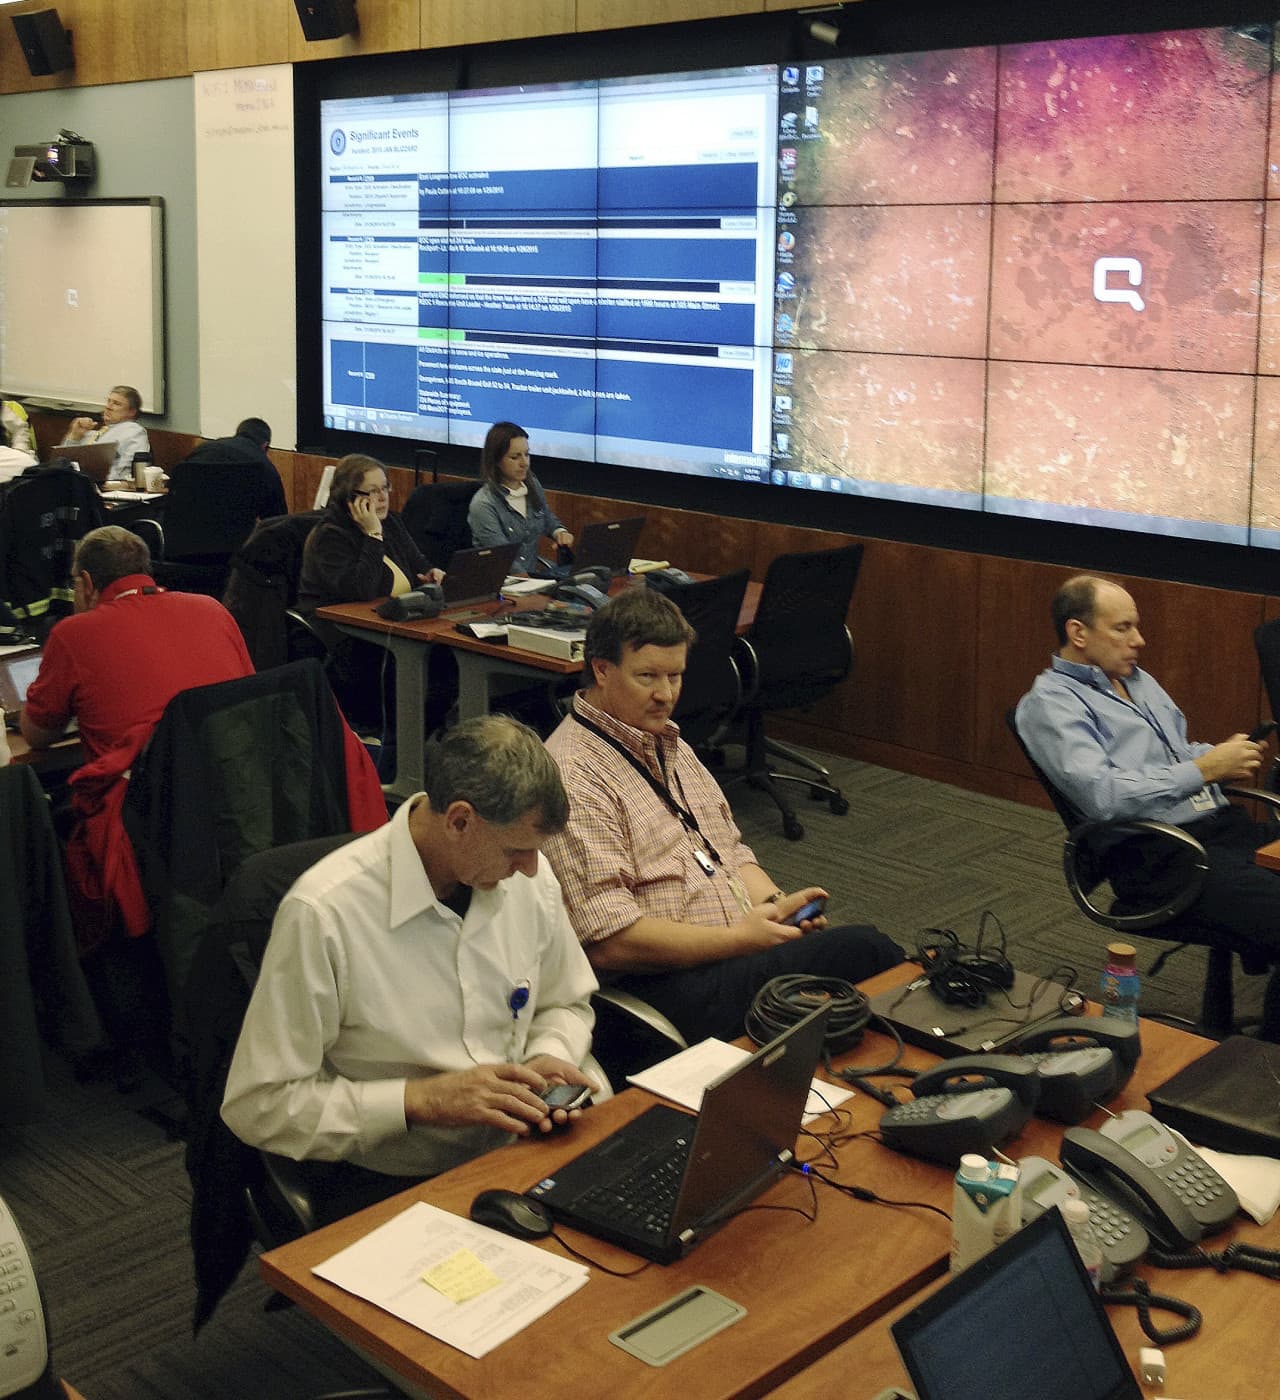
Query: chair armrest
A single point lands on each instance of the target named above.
(641, 1011)
(1268, 799)
(1076, 853)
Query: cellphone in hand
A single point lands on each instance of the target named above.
(1263, 732)
(566, 1096)
(806, 911)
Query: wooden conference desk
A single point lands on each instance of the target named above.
(479, 664)
(807, 1287)
(1268, 856)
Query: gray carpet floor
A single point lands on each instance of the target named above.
(102, 1196)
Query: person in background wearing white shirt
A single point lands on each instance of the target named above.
(422, 986)
(119, 426)
(18, 450)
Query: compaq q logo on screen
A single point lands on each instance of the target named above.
(338, 141)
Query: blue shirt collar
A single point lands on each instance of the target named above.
(1091, 675)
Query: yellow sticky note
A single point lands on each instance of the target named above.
(461, 1277)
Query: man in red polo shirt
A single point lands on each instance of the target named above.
(113, 667)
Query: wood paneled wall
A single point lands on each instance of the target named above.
(946, 641)
(122, 43)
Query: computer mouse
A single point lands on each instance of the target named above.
(513, 1214)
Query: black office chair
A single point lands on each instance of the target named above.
(240, 1194)
(262, 592)
(711, 692)
(151, 533)
(797, 650)
(209, 512)
(436, 517)
(43, 516)
(629, 1035)
(1266, 642)
(1091, 848)
(232, 769)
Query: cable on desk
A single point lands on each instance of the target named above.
(595, 1263)
(861, 1193)
(1137, 1293)
(1251, 1258)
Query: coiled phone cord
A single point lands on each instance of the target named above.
(1137, 1293)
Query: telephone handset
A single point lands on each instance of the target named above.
(968, 1072)
(1172, 1214)
(1069, 1032)
(943, 1127)
(1209, 1198)
(1042, 1185)
(581, 593)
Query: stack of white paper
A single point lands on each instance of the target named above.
(684, 1076)
(485, 1287)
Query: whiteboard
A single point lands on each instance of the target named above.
(82, 300)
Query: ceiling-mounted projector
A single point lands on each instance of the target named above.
(69, 159)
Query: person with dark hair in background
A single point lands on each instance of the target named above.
(360, 550)
(119, 426)
(511, 504)
(422, 986)
(262, 486)
(660, 887)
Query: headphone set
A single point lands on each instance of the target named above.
(958, 975)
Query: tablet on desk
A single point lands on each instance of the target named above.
(16, 674)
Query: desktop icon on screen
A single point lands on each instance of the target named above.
(790, 77)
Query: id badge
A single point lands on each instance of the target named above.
(704, 860)
(739, 891)
(1202, 801)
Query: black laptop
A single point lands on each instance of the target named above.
(95, 459)
(477, 575)
(1023, 1320)
(608, 544)
(662, 1183)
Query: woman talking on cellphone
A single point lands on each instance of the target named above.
(360, 550)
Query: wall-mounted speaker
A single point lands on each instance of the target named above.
(46, 45)
(327, 19)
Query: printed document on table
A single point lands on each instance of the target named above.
(387, 1268)
(684, 1076)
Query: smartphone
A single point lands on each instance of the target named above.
(566, 1096)
(1263, 731)
(806, 911)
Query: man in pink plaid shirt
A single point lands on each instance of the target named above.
(660, 888)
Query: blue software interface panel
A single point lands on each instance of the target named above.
(594, 260)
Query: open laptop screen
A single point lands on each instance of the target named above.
(16, 674)
(1022, 1321)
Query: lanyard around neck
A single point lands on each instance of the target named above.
(681, 813)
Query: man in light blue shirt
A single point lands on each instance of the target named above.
(1114, 743)
(119, 427)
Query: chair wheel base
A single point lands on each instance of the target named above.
(840, 806)
(792, 829)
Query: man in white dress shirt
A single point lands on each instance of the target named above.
(422, 985)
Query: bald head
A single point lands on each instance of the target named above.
(1097, 625)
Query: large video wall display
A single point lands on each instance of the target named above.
(591, 260)
(1035, 279)
(1040, 277)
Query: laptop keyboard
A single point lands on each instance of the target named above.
(643, 1199)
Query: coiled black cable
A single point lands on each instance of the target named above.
(783, 1001)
